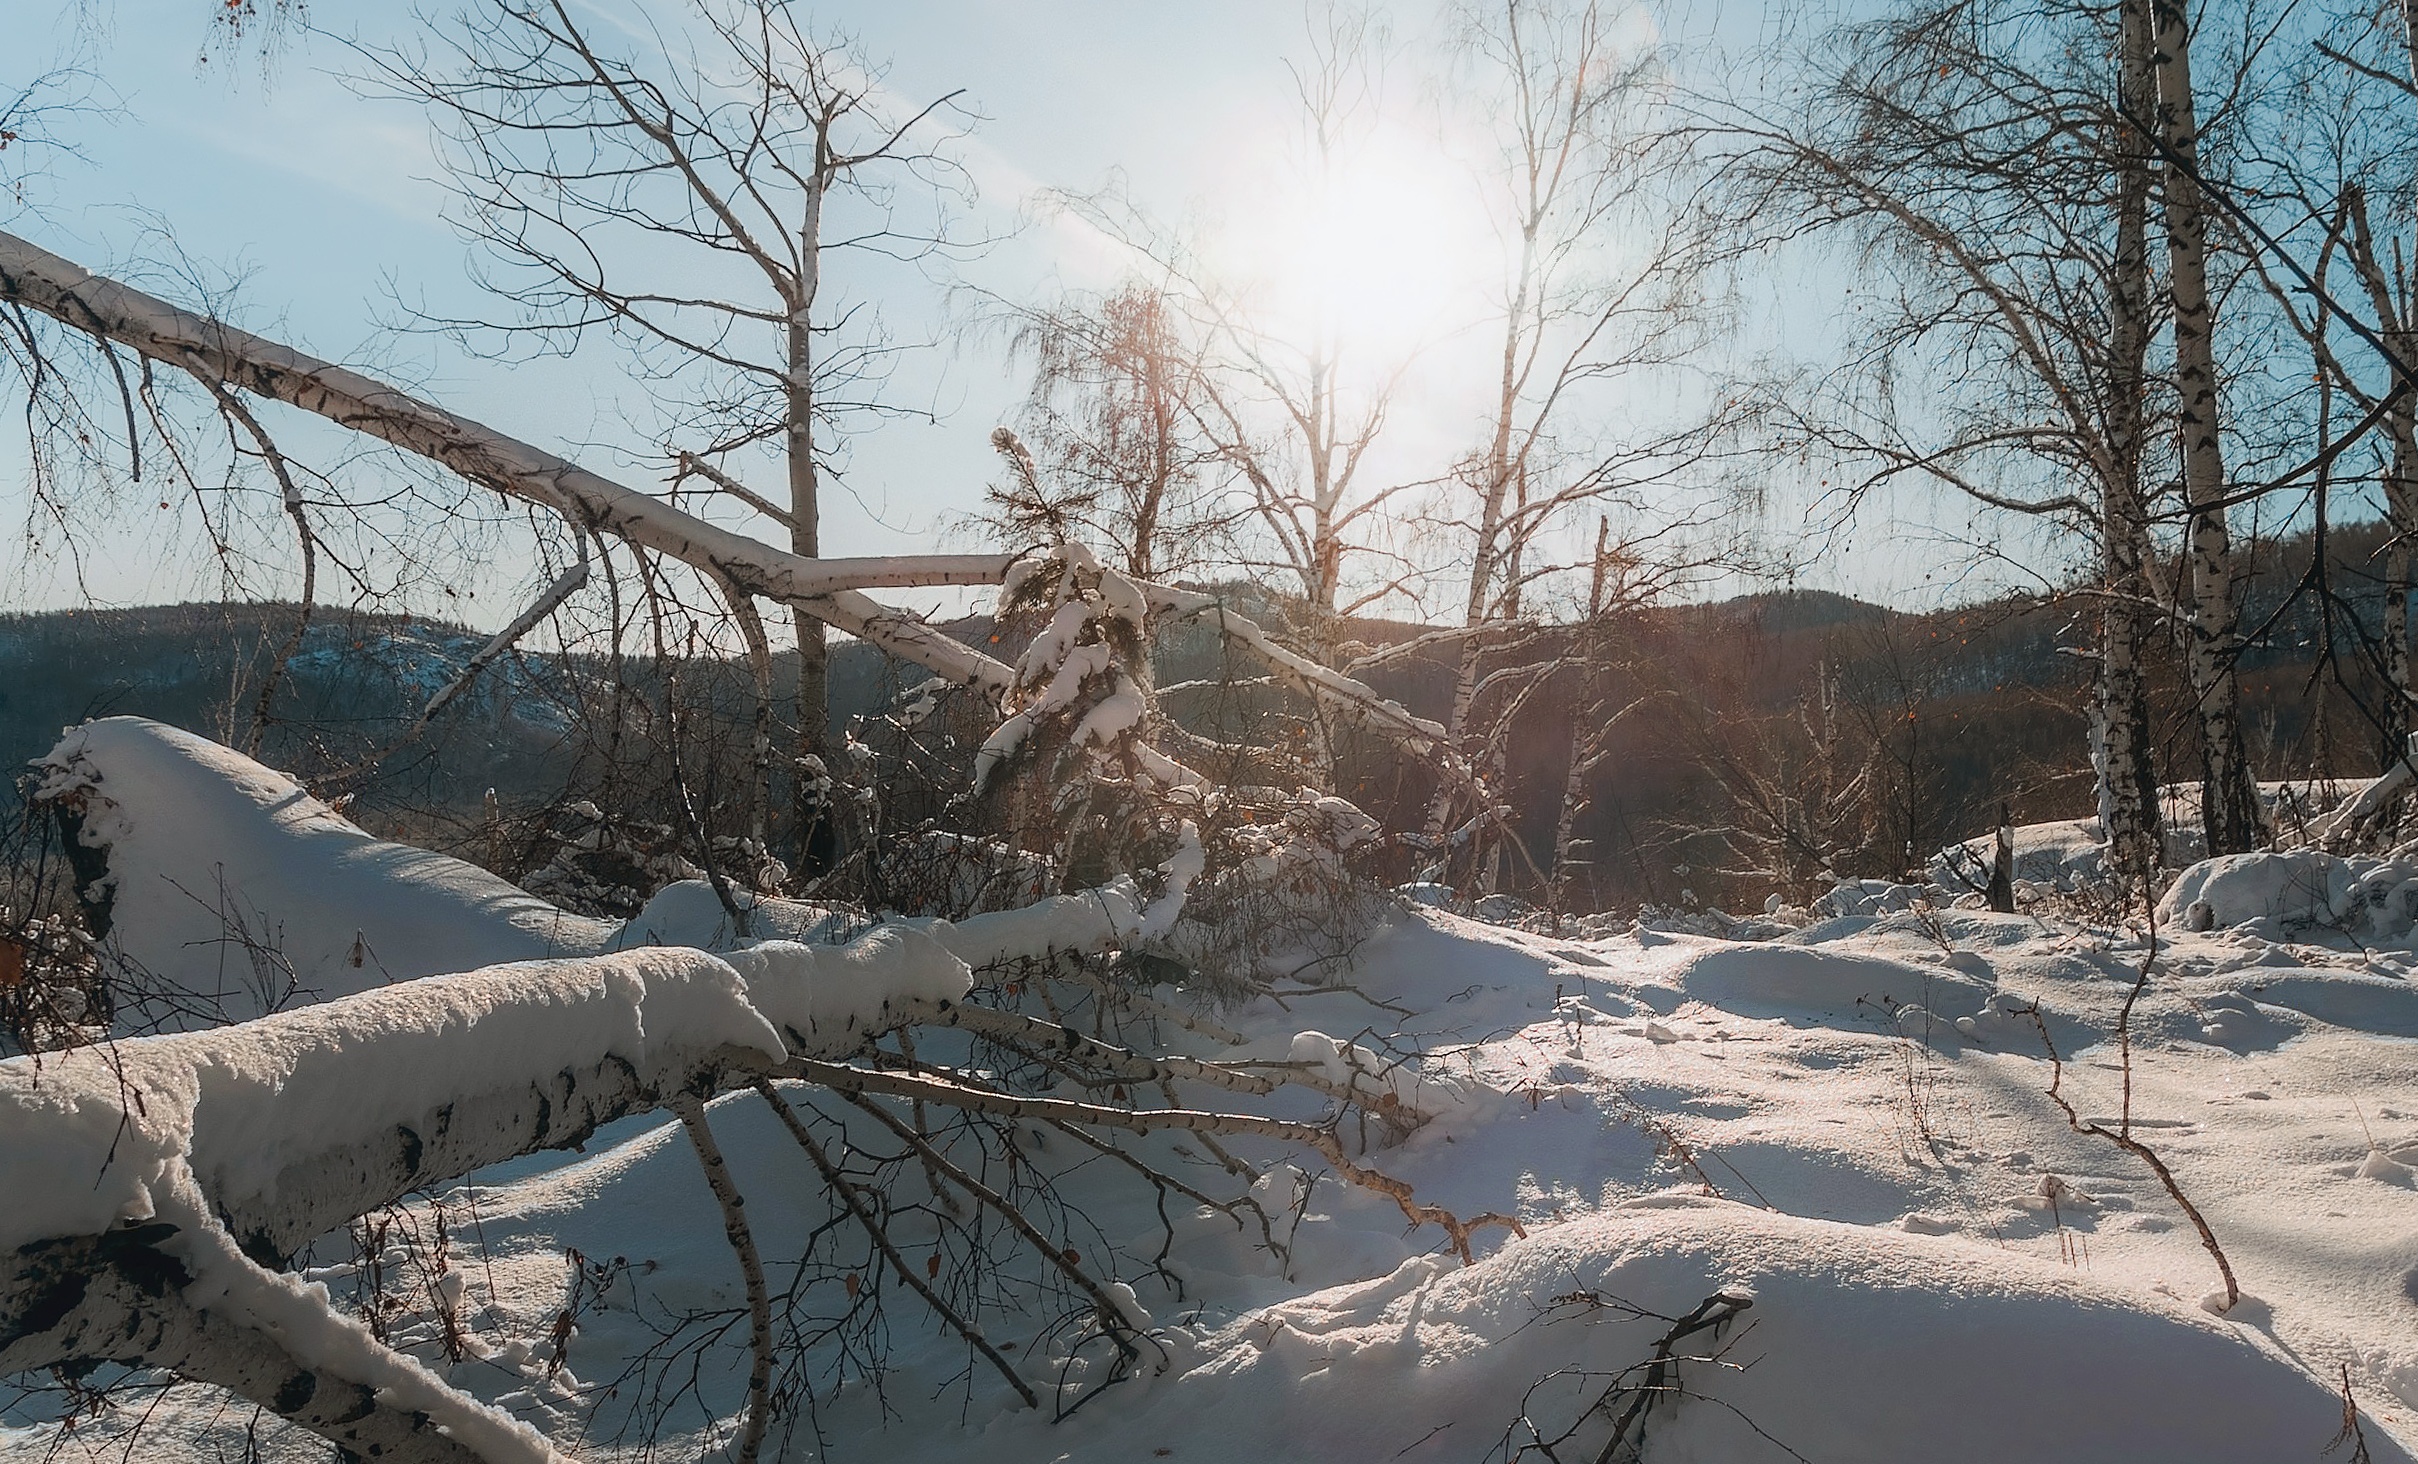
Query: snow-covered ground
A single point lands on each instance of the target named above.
(1849, 1127)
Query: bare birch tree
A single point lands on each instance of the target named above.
(2229, 804)
(1292, 410)
(1984, 156)
(687, 197)
(1601, 302)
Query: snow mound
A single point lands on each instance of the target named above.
(2384, 1006)
(2296, 888)
(2374, 898)
(1862, 1342)
(688, 913)
(230, 883)
(2063, 853)
(1801, 978)
(1864, 897)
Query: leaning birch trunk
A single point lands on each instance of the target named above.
(2229, 807)
(827, 590)
(2121, 741)
(805, 523)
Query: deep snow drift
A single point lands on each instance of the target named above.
(1847, 1125)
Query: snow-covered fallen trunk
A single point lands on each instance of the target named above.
(228, 891)
(167, 1179)
(2370, 799)
(154, 1182)
(151, 1182)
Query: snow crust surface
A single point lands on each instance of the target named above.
(1849, 1124)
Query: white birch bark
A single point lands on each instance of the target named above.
(2229, 806)
(2121, 738)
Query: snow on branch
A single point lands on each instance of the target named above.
(228, 888)
(2366, 802)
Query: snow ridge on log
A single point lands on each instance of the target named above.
(227, 881)
(293, 1123)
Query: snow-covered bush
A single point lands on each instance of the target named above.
(609, 870)
(1281, 895)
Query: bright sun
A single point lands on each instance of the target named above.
(1388, 252)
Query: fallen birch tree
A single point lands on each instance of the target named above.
(166, 1184)
(234, 892)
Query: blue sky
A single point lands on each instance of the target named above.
(325, 204)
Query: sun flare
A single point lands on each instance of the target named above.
(1386, 251)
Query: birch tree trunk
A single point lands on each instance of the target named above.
(2229, 807)
(2388, 292)
(2128, 784)
(809, 818)
(2401, 514)
(2409, 33)
(1496, 470)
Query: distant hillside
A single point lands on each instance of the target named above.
(1955, 711)
(1792, 610)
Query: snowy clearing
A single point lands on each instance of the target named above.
(1847, 1127)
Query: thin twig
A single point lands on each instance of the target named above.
(751, 1267)
(850, 1196)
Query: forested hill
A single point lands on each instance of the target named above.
(201, 666)
(1886, 733)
